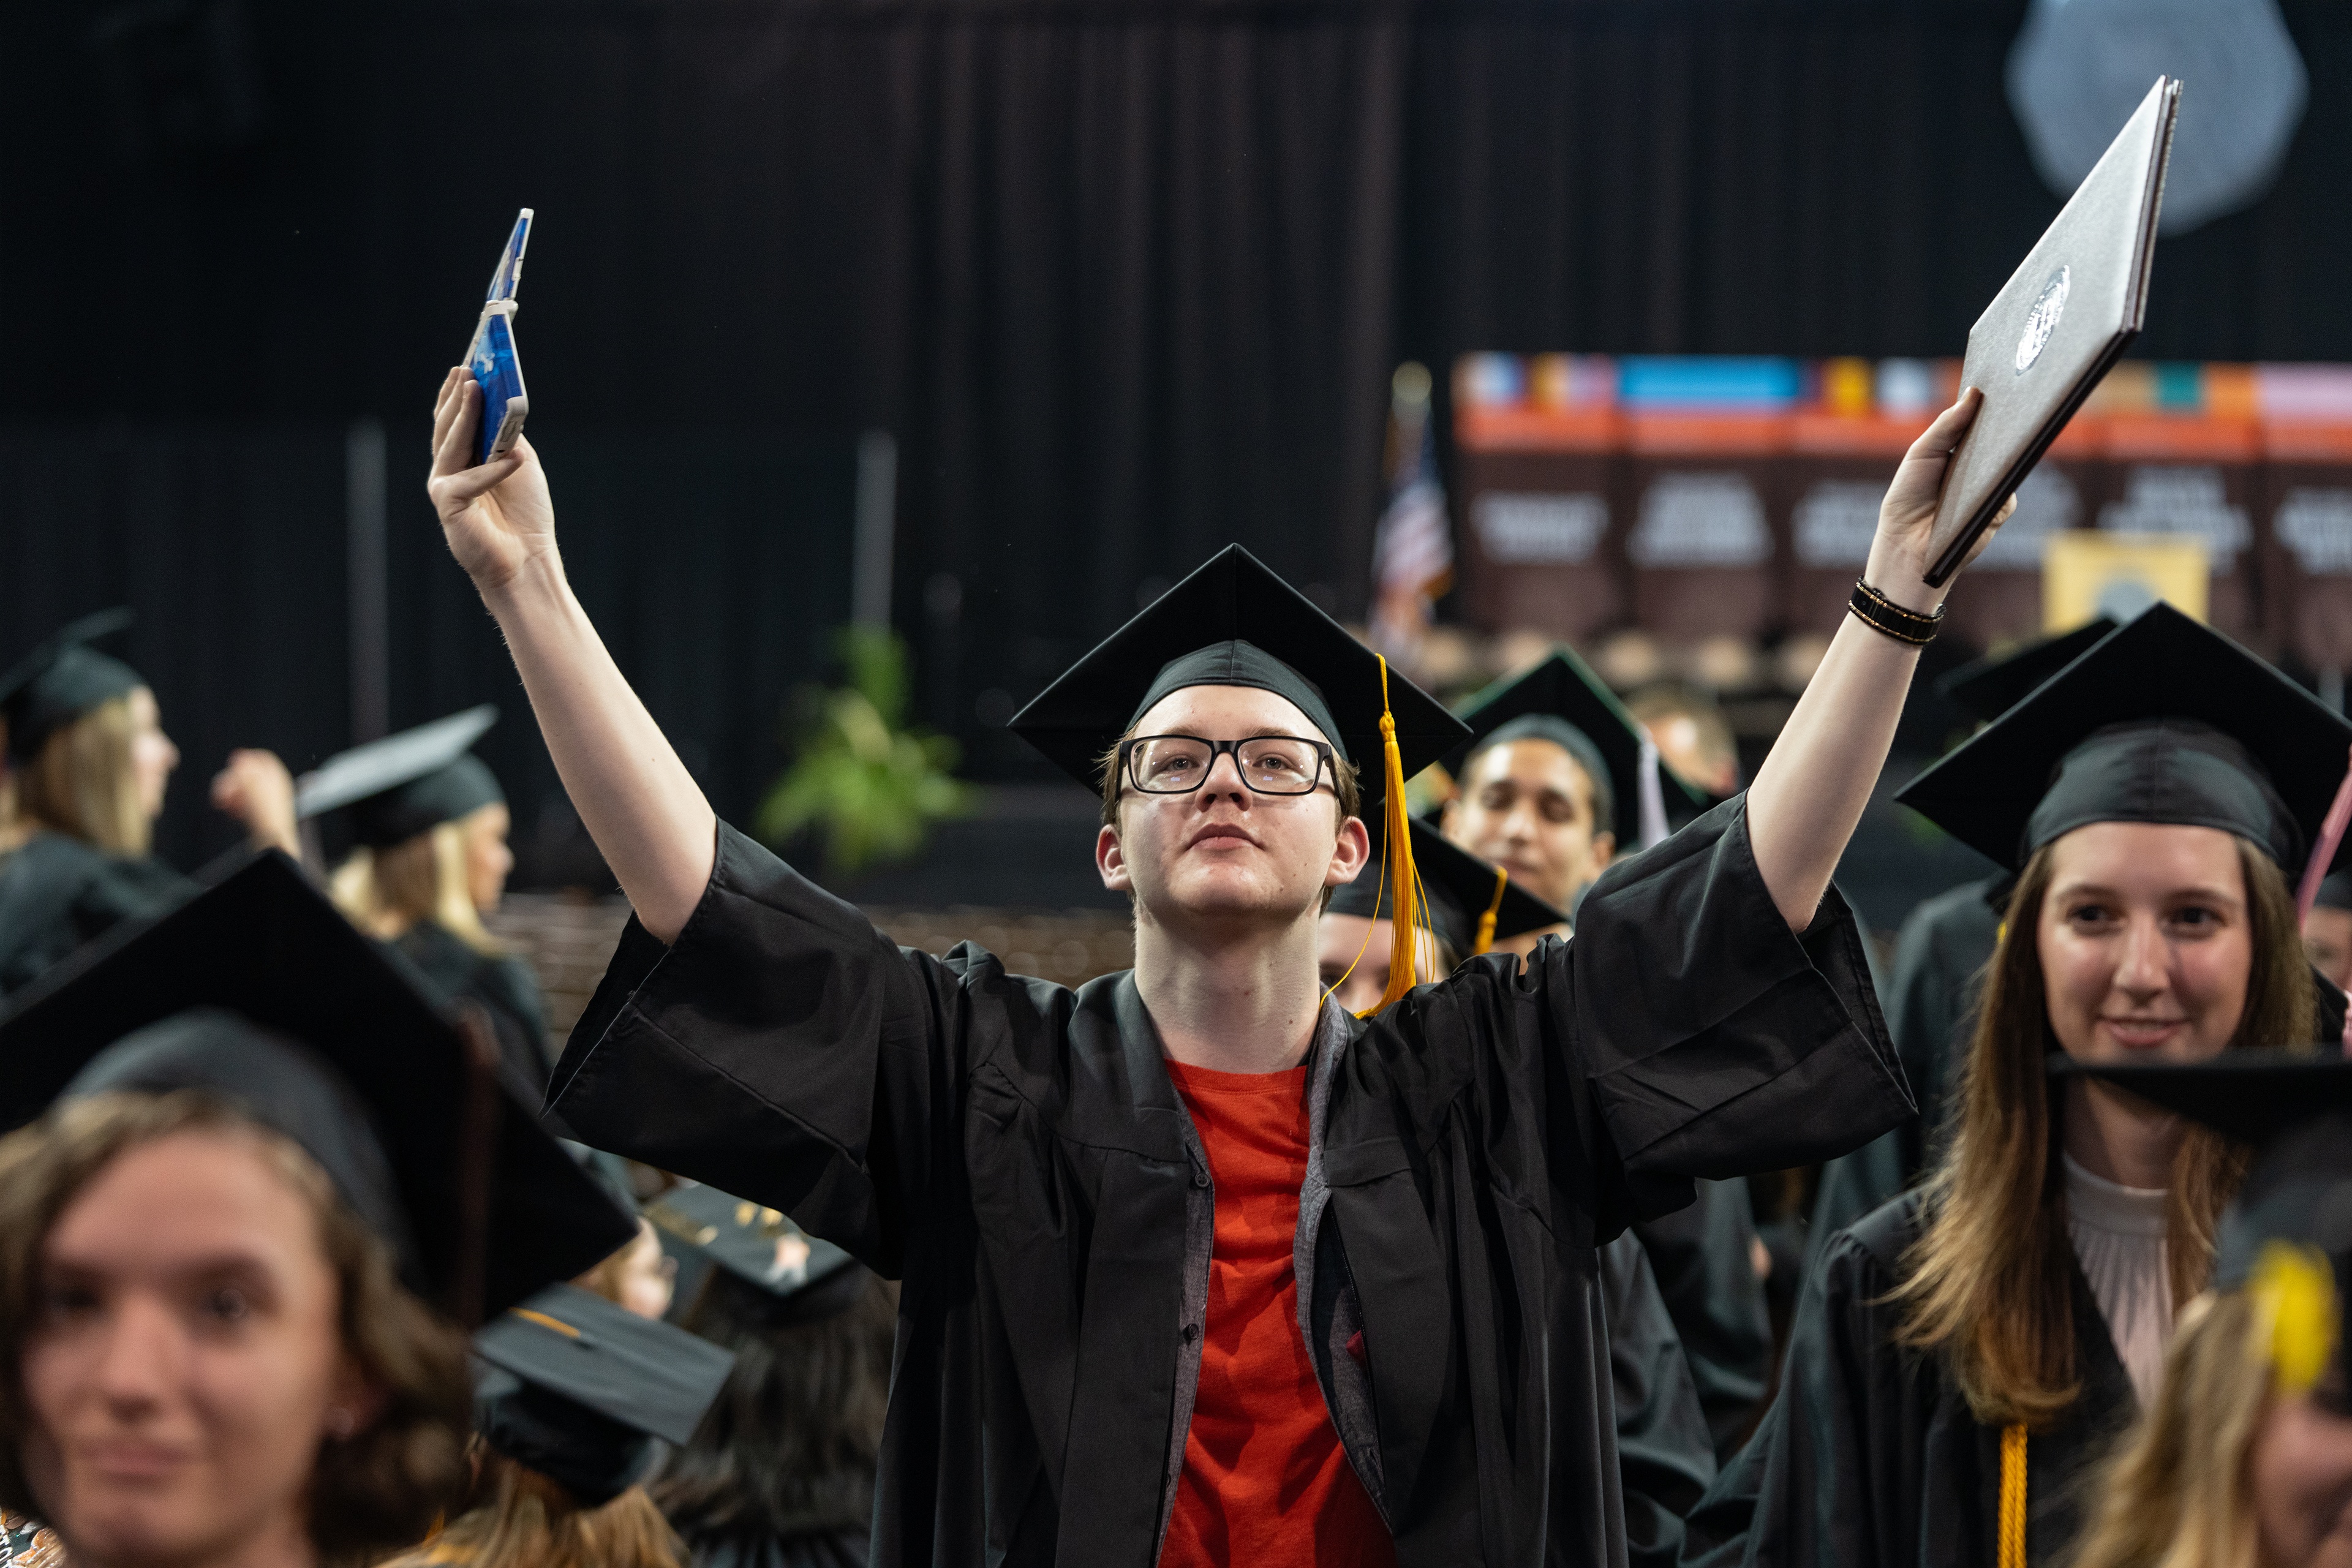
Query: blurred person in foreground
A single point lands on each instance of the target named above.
(2245, 1460)
(88, 762)
(1040, 1167)
(780, 1473)
(239, 1238)
(574, 1399)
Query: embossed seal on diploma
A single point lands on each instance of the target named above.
(2043, 320)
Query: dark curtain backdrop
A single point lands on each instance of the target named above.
(1125, 278)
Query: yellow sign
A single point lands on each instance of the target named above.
(2086, 573)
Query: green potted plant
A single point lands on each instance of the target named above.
(866, 784)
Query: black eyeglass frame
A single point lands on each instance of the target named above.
(1324, 753)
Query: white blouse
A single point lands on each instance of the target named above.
(2118, 1236)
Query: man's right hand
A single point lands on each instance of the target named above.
(496, 515)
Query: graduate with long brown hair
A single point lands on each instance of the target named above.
(1964, 1353)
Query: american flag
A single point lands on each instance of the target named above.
(1413, 548)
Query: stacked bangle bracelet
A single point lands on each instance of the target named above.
(1881, 613)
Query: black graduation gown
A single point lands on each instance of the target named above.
(1664, 1457)
(1869, 1456)
(1707, 1273)
(58, 893)
(1015, 1154)
(503, 983)
(1931, 1002)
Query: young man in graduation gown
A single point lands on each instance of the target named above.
(1665, 1452)
(1131, 1334)
(1556, 776)
(1939, 962)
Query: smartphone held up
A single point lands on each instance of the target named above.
(492, 358)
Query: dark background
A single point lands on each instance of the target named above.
(1125, 278)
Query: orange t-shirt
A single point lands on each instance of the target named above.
(1266, 1479)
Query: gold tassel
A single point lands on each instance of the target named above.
(1403, 880)
(2012, 1496)
(1494, 912)
(2294, 1296)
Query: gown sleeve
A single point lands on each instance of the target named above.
(1714, 1040)
(1835, 1476)
(1664, 1457)
(782, 1051)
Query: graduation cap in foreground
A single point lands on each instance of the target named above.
(806, 1278)
(408, 783)
(1987, 688)
(578, 1389)
(62, 678)
(258, 990)
(1561, 700)
(1234, 623)
(2164, 720)
(2289, 1231)
(1472, 904)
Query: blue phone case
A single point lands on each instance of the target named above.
(491, 357)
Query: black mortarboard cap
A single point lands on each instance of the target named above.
(577, 1389)
(759, 1246)
(259, 989)
(1461, 888)
(408, 783)
(1987, 688)
(1561, 700)
(1234, 623)
(2163, 720)
(61, 680)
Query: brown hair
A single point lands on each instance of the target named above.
(1990, 1282)
(420, 880)
(2176, 1492)
(520, 1518)
(81, 783)
(374, 1492)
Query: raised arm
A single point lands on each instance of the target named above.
(1809, 793)
(640, 804)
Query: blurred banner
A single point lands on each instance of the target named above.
(1701, 497)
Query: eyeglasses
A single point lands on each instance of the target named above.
(1179, 765)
